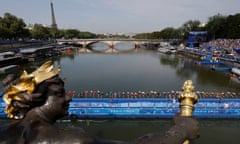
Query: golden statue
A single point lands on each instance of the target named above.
(27, 84)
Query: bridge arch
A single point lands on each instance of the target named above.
(111, 42)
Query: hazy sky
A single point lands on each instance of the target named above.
(126, 16)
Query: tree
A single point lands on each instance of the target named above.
(215, 26)
(170, 33)
(4, 31)
(71, 33)
(191, 25)
(12, 27)
(55, 33)
(142, 36)
(233, 26)
(84, 35)
(40, 32)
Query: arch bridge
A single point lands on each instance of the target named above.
(111, 42)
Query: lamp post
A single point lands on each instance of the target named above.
(187, 99)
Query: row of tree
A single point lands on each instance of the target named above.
(218, 26)
(12, 27)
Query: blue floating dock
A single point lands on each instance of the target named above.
(209, 63)
(146, 108)
(221, 68)
(152, 108)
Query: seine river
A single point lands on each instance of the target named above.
(138, 70)
(143, 70)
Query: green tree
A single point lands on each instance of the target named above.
(142, 36)
(170, 33)
(40, 32)
(215, 26)
(85, 35)
(191, 25)
(55, 33)
(12, 27)
(4, 31)
(71, 33)
(232, 27)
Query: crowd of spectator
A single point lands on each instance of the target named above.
(227, 44)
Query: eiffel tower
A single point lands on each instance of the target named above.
(54, 24)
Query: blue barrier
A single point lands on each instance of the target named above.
(147, 108)
(151, 108)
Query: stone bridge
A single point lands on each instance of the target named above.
(111, 42)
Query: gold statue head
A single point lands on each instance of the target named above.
(27, 84)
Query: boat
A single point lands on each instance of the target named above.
(234, 77)
(227, 69)
(235, 74)
(9, 58)
(209, 63)
(164, 50)
(167, 50)
(8, 69)
(36, 53)
(227, 57)
(236, 71)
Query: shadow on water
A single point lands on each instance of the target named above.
(212, 131)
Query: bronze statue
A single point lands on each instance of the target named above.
(38, 100)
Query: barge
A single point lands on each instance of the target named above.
(146, 108)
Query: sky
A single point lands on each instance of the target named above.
(118, 16)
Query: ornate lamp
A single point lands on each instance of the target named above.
(187, 99)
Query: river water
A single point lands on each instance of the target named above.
(142, 70)
(138, 70)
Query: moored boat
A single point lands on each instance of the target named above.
(36, 53)
(234, 77)
(9, 58)
(8, 69)
(167, 50)
(236, 71)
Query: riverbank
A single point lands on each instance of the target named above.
(11, 46)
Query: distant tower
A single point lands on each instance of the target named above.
(54, 24)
